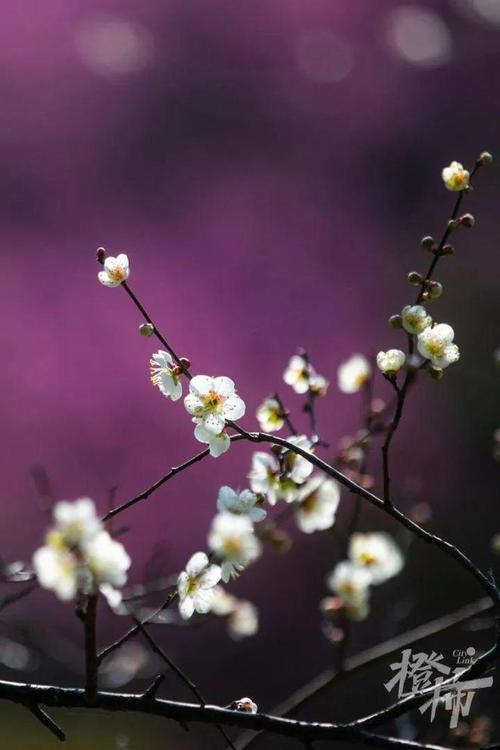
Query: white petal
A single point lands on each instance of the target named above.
(234, 408)
(210, 577)
(194, 405)
(106, 280)
(203, 600)
(196, 564)
(219, 444)
(214, 423)
(201, 385)
(186, 607)
(224, 386)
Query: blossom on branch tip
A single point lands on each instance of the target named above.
(213, 401)
(436, 344)
(317, 504)
(352, 584)
(391, 361)
(195, 585)
(106, 560)
(299, 468)
(270, 415)
(115, 270)
(377, 554)
(233, 541)
(353, 374)
(165, 375)
(415, 319)
(455, 177)
(243, 503)
(302, 377)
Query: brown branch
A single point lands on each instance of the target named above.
(60, 697)
(91, 662)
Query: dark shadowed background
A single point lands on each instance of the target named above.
(269, 167)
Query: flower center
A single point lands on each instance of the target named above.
(117, 274)
(192, 586)
(232, 546)
(435, 347)
(213, 401)
(367, 558)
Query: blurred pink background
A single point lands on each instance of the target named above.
(269, 168)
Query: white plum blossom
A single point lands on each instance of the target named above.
(76, 522)
(302, 376)
(213, 401)
(353, 373)
(455, 177)
(165, 374)
(270, 415)
(317, 504)
(79, 555)
(436, 343)
(223, 603)
(195, 585)
(245, 704)
(351, 583)
(233, 540)
(297, 374)
(391, 361)
(243, 503)
(243, 620)
(266, 479)
(415, 319)
(377, 554)
(106, 560)
(56, 570)
(116, 270)
(299, 467)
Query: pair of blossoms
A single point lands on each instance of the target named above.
(80, 556)
(434, 343)
(374, 557)
(210, 401)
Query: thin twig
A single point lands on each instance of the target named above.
(91, 663)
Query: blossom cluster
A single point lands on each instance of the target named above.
(374, 557)
(79, 555)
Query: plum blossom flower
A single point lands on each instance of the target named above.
(75, 522)
(302, 376)
(165, 375)
(353, 373)
(243, 503)
(243, 620)
(270, 415)
(351, 583)
(56, 570)
(213, 401)
(195, 585)
(377, 554)
(115, 270)
(415, 319)
(244, 704)
(297, 374)
(455, 177)
(317, 504)
(436, 343)
(233, 540)
(299, 468)
(79, 555)
(391, 361)
(266, 479)
(106, 560)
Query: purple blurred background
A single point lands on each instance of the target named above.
(269, 168)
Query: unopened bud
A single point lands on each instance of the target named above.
(447, 250)
(146, 329)
(428, 243)
(414, 278)
(436, 373)
(485, 158)
(453, 224)
(280, 541)
(330, 606)
(244, 704)
(186, 364)
(467, 221)
(396, 321)
(101, 255)
(435, 289)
